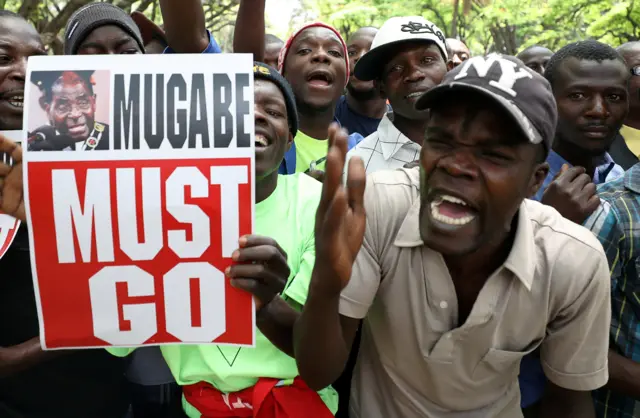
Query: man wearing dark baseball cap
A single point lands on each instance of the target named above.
(457, 274)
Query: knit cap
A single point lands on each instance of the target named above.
(266, 72)
(87, 18)
(285, 50)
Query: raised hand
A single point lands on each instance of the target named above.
(262, 268)
(340, 219)
(11, 187)
(572, 193)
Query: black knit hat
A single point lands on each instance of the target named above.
(92, 16)
(265, 72)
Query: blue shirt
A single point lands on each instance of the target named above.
(606, 170)
(532, 378)
(212, 48)
(354, 122)
(615, 224)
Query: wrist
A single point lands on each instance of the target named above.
(265, 307)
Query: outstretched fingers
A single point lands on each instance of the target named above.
(356, 182)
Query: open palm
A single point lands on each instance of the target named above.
(340, 219)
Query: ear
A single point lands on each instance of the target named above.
(379, 85)
(450, 65)
(289, 142)
(537, 179)
(94, 99)
(44, 104)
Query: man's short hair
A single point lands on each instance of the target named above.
(272, 39)
(583, 50)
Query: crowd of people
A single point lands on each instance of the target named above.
(437, 234)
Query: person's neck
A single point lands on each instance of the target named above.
(411, 128)
(479, 265)
(315, 124)
(373, 108)
(633, 120)
(574, 156)
(265, 186)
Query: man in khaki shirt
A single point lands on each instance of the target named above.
(456, 274)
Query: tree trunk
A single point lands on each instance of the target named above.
(454, 19)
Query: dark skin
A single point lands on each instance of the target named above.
(316, 53)
(458, 53)
(108, 40)
(592, 103)
(154, 47)
(631, 54)
(362, 96)
(271, 53)
(415, 68)
(18, 41)
(536, 58)
(260, 264)
(185, 27)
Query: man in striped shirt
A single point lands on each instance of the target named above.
(615, 223)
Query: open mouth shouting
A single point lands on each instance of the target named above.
(14, 99)
(451, 211)
(320, 79)
(262, 139)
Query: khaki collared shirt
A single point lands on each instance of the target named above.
(551, 292)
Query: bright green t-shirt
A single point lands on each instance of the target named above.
(310, 151)
(288, 216)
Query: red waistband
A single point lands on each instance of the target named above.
(264, 400)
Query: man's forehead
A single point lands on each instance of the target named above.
(317, 34)
(73, 86)
(363, 34)
(573, 69)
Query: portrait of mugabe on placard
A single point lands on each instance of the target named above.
(68, 109)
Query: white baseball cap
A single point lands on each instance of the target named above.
(395, 31)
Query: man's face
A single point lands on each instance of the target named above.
(413, 70)
(108, 40)
(592, 102)
(18, 41)
(358, 45)
(72, 108)
(632, 57)
(476, 168)
(458, 53)
(316, 68)
(271, 52)
(272, 127)
(536, 58)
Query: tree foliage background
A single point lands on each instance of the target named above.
(505, 26)
(50, 16)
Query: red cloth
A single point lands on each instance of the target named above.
(264, 400)
(285, 50)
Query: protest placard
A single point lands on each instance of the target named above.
(139, 181)
(8, 224)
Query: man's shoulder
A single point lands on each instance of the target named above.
(366, 146)
(552, 230)
(301, 188)
(391, 193)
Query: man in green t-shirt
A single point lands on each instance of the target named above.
(274, 265)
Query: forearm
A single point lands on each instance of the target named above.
(624, 375)
(23, 356)
(276, 320)
(184, 25)
(567, 404)
(320, 348)
(248, 36)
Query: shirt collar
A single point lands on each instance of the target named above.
(521, 260)
(604, 165)
(632, 178)
(391, 139)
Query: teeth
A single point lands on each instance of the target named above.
(16, 104)
(261, 140)
(435, 214)
(453, 199)
(416, 94)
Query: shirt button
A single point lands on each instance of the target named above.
(444, 304)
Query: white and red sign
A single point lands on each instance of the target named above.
(8, 224)
(134, 217)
